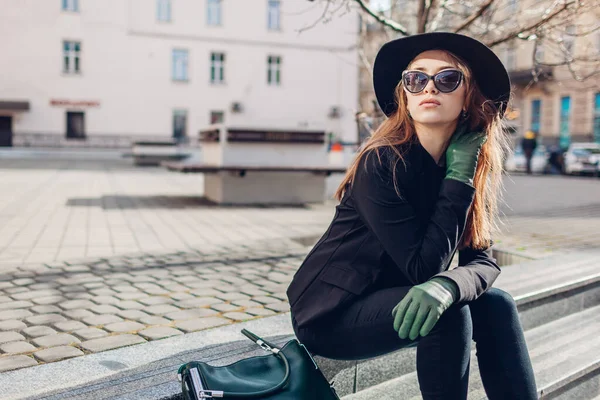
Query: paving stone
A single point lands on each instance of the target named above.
(5, 299)
(69, 326)
(78, 314)
(15, 290)
(111, 342)
(159, 332)
(238, 316)
(174, 287)
(264, 299)
(79, 296)
(131, 295)
(12, 325)
(23, 281)
(156, 290)
(59, 339)
(15, 362)
(123, 327)
(263, 312)
(6, 284)
(33, 294)
(132, 314)
(76, 304)
(280, 295)
(57, 353)
(198, 324)
(279, 277)
(181, 296)
(10, 336)
(37, 331)
(14, 314)
(45, 309)
(94, 285)
(279, 307)
(102, 319)
(49, 300)
(154, 300)
(253, 291)
(110, 300)
(191, 314)
(103, 292)
(225, 307)
(154, 321)
(199, 302)
(13, 305)
(45, 319)
(204, 292)
(90, 333)
(104, 309)
(246, 303)
(161, 309)
(129, 305)
(125, 289)
(17, 347)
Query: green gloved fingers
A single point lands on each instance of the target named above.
(462, 154)
(418, 312)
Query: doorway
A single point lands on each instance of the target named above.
(75, 125)
(6, 133)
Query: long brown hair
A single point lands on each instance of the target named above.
(398, 129)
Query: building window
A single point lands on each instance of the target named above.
(213, 12)
(180, 125)
(217, 68)
(597, 118)
(274, 70)
(536, 115)
(70, 5)
(71, 57)
(273, 15)
(75, 125)
(163, 10)
(180, 65)
(217, 117)
(565, 117)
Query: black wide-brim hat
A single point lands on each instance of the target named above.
(394, 56)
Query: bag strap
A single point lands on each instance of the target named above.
(207, 393)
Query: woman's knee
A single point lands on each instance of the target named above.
(498, 302)
(457, 317)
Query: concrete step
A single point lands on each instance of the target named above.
(565, 355)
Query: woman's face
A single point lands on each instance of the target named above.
(430, 106)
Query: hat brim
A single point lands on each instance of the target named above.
(394, 56)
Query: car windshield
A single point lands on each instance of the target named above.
(586, 151)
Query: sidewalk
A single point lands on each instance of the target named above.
(171, 265)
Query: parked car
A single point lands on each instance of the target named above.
(582, 158)
(516, 162)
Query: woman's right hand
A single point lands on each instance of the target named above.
(462, 154)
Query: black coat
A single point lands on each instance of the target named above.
(376, 235)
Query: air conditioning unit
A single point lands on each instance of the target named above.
(335, 112)
(236, 107)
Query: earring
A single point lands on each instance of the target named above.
(464, 114)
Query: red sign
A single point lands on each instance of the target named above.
(74, 103)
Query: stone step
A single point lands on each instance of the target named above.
(565, 355)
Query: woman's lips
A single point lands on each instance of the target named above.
(430, 105)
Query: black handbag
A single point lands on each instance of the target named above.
(288, 373)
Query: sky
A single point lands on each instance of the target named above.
(380, 4)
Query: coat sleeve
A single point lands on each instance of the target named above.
(419, 250)
(476, 272)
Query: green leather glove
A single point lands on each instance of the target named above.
(462, 154)
(423, 305)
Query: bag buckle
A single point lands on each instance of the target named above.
(209, 394)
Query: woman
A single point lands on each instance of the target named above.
(425, 185)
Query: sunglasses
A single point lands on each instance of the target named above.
(445, 81)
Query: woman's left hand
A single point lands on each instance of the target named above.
(423, 305)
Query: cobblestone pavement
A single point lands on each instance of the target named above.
(170, 264)
(60, 310)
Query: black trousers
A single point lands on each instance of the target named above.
(364, 329)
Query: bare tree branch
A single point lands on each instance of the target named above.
(476, 15)
(429, 4)
(521, 30)
(383, 20)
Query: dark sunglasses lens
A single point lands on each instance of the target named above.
(415, 81)
(447, 81)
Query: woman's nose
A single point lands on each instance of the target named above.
(430, 87)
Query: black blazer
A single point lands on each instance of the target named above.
(376, 235)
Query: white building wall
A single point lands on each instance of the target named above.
(126, 66)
